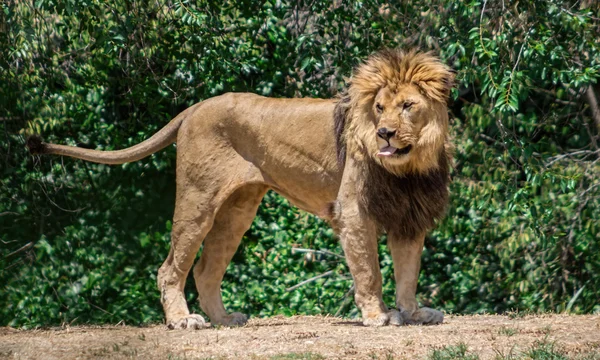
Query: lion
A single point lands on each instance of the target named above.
(375, 159)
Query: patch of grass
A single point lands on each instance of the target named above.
(510, 356)
(174, 357)
(507, 331)
(389, 355)
(298, 356)
(458, 351)
(544, 350)
(546, 330)
(590, 356)
(518, 314)
(171, 356)
(100, 352)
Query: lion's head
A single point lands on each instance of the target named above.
(393, 121)
(395, 111)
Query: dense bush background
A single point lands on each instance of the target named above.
(81, 243)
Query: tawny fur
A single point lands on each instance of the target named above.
(323, 156)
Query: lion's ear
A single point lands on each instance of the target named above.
(449, 82)
(437, 83)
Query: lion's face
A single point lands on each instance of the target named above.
(406, 130)
(400, 116)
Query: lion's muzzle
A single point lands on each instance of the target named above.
(385, 133)
(390, 150)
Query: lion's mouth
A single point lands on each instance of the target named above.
(393, 151)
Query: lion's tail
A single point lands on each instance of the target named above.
(164, 137)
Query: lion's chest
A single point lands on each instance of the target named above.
(406, 206)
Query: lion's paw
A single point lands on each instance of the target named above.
(423, 316)
(376, 320)
(191, 322)
(233, 319)
(395, 318)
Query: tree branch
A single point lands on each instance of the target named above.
(8, 213)
(327, 273)
(21, 249)
(590, 96)
(345, 301)
(322, 252)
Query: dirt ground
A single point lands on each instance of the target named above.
(308, 337)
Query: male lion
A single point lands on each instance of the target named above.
(375, 159)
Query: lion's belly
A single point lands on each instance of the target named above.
(309, 179)
(312, 194)
(292, 142)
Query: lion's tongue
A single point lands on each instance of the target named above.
(387, 151)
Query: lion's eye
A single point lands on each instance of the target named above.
(407, 105)
(379, 107)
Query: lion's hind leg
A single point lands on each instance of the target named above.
(231, 222)
(191, 223)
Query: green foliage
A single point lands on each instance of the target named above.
(545, 351)
(81, 242)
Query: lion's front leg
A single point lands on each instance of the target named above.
(406, 254)
(358, 235)
(360, 247)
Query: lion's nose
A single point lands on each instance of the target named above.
(385, 133)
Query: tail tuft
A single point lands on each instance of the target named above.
(36, 145)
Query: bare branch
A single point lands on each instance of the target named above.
(590, 96)
(564, 102)
(8, 213)
(322, 252)
(520, 52)
(576, 15)
(560, 157)
(345, 300)
(21, 249)
(325, 274)
(10, 118)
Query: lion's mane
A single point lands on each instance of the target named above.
(402, 201)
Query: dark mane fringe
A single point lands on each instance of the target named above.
(406, 206)
(340, 115)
